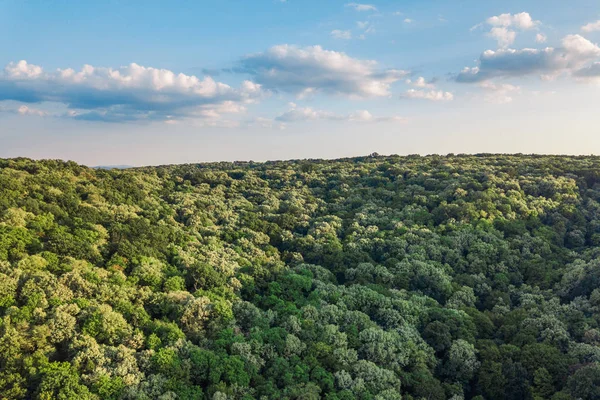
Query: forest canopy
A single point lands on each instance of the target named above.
(372, 278)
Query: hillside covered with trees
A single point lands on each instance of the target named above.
(372, 278)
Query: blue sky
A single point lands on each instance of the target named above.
(153, 82)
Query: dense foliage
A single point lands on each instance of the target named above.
(369, 278)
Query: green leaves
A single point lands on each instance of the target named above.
(60, 381)
(370, 278)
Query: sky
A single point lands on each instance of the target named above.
(154, 82)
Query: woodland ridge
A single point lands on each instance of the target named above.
(372, 278)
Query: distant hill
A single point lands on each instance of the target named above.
(112, 166)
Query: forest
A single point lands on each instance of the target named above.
(372, 278)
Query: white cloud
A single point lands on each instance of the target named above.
(313, 69)
(338, 34)
(503, 36)
(215, 111)
(591, 27)
(575, 53)
(361, 116)
(433, 95)
(366, 27)
(126, 93)
(366, 116)
(578, 49)
(307, 93)
(267, 123)
(541, 38)
(498, 93)
(298, 114)
(590, 73)
(420, 82)
(22, 70)
(362, 7)
(305, 114)
(408, 20)
(520, 21)
(24, 110)
(504, 26)
(370, 29)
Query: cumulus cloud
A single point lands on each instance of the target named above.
(498, 93)
(504, 26)
(541, 38)
(521, 21)
(305, 114)
(591, 27)
(25, 110)
(338, 34)
(590, 73)
(313, 69)
(432, 95)
(421, 82)
(366, 116)
(297, 114)
(362, 7)
(131, 92)
(574, 54)
(504, 36)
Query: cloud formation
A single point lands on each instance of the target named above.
(575, 53)
(24, 110)
(504, 36)
(591, 27)
(297, 114)
(540, 38)
(420, 82)
(366, 27)
(504, 27)
(267, 123)
(313, 69)
(498, 93)
(131, 92)
(432, 95)
(520, 21)
(423, 94)
(362, 7)
(338, 34)
(590, 73)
